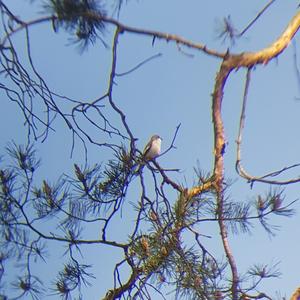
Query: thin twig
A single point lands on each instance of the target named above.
(242, 119)
(256, 18)
(139, 65)
(238, 166)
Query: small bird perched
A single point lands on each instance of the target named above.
(152, 149)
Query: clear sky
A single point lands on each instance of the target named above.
(173, 89)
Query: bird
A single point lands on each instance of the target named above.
(151, 151)
(153, 147)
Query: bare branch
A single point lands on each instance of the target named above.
(257, 17)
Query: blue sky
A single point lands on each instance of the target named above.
(173, 89)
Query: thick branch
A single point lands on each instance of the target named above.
(218, 173)
(249, 59)
(296, 294)
(232, 61)
(118, 292)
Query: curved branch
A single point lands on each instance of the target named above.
(238, 166)
(249, 59)
(123, 28)
(218, 174)
(235, 61)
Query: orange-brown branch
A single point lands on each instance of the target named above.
(230, 62)
(218, 174)
(249, 59)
